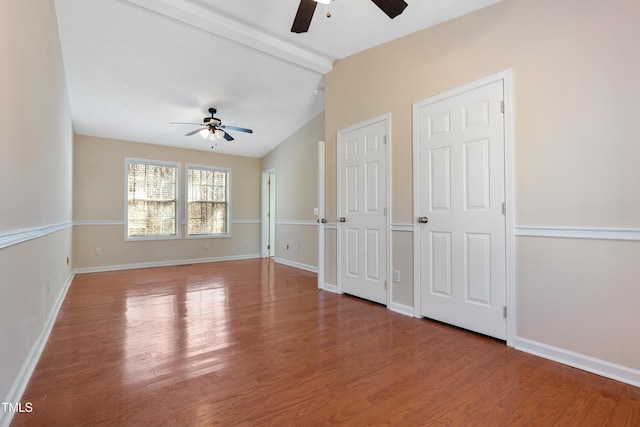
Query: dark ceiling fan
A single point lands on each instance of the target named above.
(212, 128)
(306, 8)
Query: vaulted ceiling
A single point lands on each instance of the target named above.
(134, 66)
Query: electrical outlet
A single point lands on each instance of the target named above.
(297, 248)
(206, 245)
(98, 251)
(287, 247)
(396, 276)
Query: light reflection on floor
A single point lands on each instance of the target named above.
(164, 332)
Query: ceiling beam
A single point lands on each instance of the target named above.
(229, 28)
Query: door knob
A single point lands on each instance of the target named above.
(423, 219)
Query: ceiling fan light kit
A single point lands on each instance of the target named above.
(213, 135)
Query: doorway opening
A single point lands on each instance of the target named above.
(268, 213)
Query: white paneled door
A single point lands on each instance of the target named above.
(461, 222)
(362, 188)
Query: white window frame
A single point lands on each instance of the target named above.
(127, 162)
(189, 166)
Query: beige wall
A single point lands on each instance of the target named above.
(98, 207)
(580, 295)
(35, 184)
(402, 261)
(575, 70)
(296, 164)
(575, 66)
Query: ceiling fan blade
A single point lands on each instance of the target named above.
(193, 132)
(303, 17)
(183, 123)
(392, 8)
(227, 136)
(236, 128)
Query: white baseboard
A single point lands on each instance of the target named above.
(401, 308)
(101, 268)
(22, 380)
(330, 288)
(295, 264)
(586, 363)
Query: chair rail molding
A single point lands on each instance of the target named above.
(579, 233)
(13, 237)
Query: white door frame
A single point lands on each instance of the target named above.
(268, 221)
(321, 211)
(507, 77)
(387, 121)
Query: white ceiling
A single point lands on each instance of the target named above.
(133, 66)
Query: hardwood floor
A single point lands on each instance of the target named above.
(253, 342)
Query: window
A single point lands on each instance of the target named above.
(208, 201)
(152, 199)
